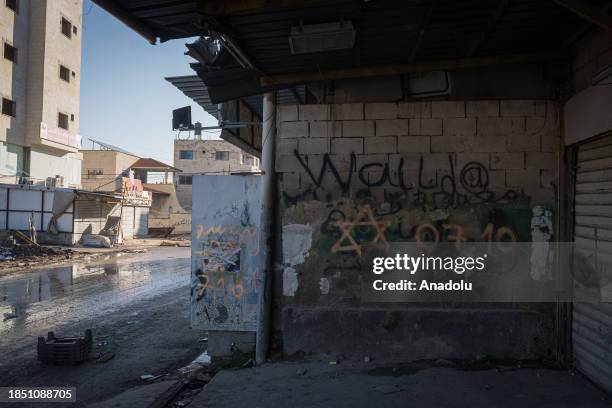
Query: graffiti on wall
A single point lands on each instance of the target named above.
(456, 188)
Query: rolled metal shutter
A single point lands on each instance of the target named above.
(141, 221)
(127, 222)
(592, 321)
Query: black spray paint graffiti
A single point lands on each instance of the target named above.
(469, 186)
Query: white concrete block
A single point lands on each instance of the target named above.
(347, 145)
(391, 127)
(459, 126)
(347, 111)
(286, 146)
(382, 144)
(442, 109)
(408, 144)
(287, 113)
(325, 129)
(414, 110)
(523, 143)
(293, 129)
(505, 161)
(482, 108)
(500, 126)
(352, 128)
(517, 108)
(485, 143)
(314, 112)
(452, 143)
(314, 145)
(380, 110)
(425, 126)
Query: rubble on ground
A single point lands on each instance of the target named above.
(18, 256)
(14, 255)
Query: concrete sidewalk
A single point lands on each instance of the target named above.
(324, 385)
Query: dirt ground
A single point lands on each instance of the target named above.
(156, 341)
(137, 306)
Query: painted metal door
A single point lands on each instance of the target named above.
(141, 221)
(226, 257)
(592, 319)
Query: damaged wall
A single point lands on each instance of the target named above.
(355, 178)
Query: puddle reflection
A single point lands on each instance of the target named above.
(65, 292)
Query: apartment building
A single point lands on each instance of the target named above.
(40, 92)
(198, 156)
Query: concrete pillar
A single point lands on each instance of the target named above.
(268, 198)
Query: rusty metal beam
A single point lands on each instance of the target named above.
(126, 18)
(489, 27)
(585, 10)
(398, 69)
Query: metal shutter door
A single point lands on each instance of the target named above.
(141, 221)
(592, 322)
(127, 222)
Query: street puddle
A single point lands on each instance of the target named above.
(55, 295)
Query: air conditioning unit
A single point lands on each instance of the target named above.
(50, 182)
(53, 182)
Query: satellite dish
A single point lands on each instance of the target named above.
(181, 118)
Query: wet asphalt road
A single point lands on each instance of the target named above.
(137, 306)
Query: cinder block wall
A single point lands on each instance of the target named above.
(465, 162)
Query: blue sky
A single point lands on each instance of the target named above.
(125, 100)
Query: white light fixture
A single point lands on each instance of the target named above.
(311, 38)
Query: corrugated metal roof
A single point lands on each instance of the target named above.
(388, 33)
(193, 87)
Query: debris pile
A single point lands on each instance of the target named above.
(14, 254)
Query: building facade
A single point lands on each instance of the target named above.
(112, 169)
(197, 156)
(40, 91)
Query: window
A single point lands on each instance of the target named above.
(66, 27)
(10, 52)
(62, 121)
(74, 30)
(185, 180)
(13, 5)
(186, 155)
(9, 107)
(222, 155)
(92, 173)
(64, 73)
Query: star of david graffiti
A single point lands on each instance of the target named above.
(364, 218)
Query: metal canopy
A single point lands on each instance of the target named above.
(392, 36)
(193, 87)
